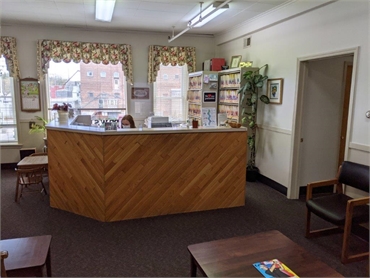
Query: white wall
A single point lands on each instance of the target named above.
(279, 39)
(27, 37)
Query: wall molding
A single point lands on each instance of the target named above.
(359, 147)
(275, 129)
(270, 18)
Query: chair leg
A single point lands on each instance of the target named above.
(43, 188)
(346, 235)
(16, 191)
(345, 257)
(308, 223)
(321, 232)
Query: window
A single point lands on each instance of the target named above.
(72, 83)
(165, 76)
(103, 74)
(116, 84)
(8, 117)
(177, 76)
(116, 74)
(170, 95)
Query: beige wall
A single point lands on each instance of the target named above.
(282, 37)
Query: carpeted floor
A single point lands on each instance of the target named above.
(157, 246)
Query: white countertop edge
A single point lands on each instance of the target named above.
(124, 131)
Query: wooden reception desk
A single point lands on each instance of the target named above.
(132, 173)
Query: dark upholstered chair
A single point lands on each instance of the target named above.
(340, 209)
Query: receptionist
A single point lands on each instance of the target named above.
(128, 122)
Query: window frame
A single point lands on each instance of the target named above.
(51, 116)
(16, 108)
(183, 89)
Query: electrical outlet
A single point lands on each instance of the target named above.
(30, 124)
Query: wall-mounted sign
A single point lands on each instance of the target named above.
(209, 97)
(139, 93)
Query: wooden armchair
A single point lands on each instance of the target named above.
(340, 209)
(26, 179)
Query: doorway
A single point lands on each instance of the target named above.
(321, 117)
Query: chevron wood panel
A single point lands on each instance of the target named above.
(76, 173)
(112, 178)
(149, 175)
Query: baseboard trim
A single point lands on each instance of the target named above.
(302, 190)
(273, 184)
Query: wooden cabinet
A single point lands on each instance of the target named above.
(230, 81)
(202, 93)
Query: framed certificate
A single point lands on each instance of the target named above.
(30, 94)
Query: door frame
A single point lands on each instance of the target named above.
(302, 71)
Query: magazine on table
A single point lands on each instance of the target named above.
(274, 268)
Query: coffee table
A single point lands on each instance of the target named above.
(27, 256)
(234, 257)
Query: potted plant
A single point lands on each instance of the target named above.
(62, 111)
(40, 128)
(249, 95)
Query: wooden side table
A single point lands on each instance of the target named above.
(27, 256)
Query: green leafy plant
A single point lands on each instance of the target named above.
(38, 128)
(249, 95)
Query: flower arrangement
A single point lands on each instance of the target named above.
(62, 107)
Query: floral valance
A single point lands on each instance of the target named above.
(84, 51)
(169, 55)
(9, 50)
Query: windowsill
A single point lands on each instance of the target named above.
(12, 145)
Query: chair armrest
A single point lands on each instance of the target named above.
(349, 209)
(312, 185)
(358, 201)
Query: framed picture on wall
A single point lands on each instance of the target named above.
(235, 61)
(30, 94)
(275, 90)
(139, 93)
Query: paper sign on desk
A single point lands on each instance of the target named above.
(209, 116)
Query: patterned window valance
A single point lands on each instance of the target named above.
(169, 55)
(9, 50)
(84, 51)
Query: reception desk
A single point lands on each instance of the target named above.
(131, 173)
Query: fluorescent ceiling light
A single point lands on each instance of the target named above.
(104, 10)
(208, 14)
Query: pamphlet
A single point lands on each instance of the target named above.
(274, 268)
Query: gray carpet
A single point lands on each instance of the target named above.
(157, 246)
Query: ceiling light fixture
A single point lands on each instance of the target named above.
(104, 10)
(204, 16)
(208, 14)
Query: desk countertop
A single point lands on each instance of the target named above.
(126, 131)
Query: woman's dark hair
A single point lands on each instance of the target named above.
(130, 119)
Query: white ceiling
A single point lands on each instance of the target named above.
(130, 15)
